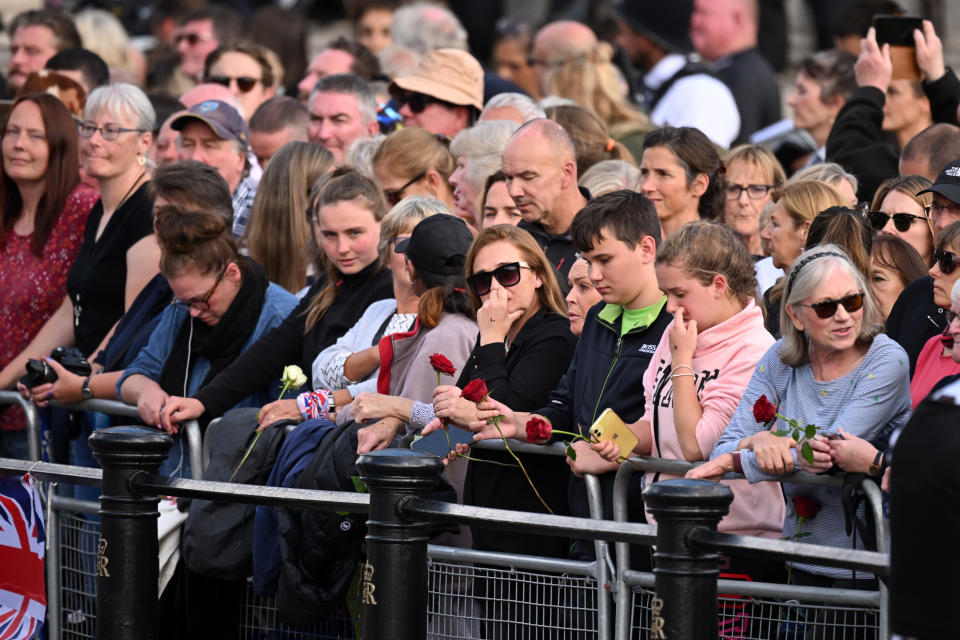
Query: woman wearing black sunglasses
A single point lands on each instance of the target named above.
(897, 210)
(934, 361)
(243, 68)
(414, 162)
(833, 368)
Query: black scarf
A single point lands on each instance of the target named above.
(220, 344)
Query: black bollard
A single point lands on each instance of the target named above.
(685, 604)
(393, 584)
(127, 567)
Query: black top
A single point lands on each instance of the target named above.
(915, 318)
(606, 371)
(98, 279)
(925, 489)
(521, 378)
(750, 79)
(290, 343)
(857, 142)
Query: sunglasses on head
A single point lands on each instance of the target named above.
(947, 261)
(902, 221)
(506, 274)
(244, 83)
(827, 308)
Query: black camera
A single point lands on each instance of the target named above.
(39, 372)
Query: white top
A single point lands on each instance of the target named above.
(767, 274)
(700, 101)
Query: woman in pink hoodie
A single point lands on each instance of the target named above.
(703, 363)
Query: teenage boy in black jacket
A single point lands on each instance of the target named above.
(617, 234)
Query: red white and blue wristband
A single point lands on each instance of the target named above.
(314, 404)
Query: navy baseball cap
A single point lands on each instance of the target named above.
(225, 121)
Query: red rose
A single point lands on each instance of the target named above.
(441, 364)
(476, 390)
(763, 410)
(805, 507)
(538, 429)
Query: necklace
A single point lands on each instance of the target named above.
(130, 191)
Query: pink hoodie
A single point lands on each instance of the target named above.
(723, 363)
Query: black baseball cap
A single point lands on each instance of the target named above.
(438, 245)
(666, 23)
(948, 182)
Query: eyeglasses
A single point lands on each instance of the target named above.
(506, 274)
(937, 209)
(902, 221)
(203, 303)
(107, 131)
(394, 196)
(418, 101)
(947, 261)
(193, 39)
(244, 83)
(827, 308)
(754, 191)
(397, 240)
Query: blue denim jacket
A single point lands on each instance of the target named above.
(277, 305)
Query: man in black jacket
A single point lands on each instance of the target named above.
(617, 234)
(541, 167)
(856, 139)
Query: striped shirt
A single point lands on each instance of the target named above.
(869, 402)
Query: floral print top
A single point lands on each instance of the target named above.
(33, 287)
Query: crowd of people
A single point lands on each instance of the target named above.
(619, 221)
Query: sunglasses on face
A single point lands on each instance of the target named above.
(393, 196)
(417, 101)
(201, 304)
(902, 221)
(506, 274)
(193, 39)
(244, 83)
(947, 261)
(754, 191)
(827, 308)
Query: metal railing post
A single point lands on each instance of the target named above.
(685, 604)
(393, 586)
(127, 569)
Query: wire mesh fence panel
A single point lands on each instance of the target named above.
(78, 582)
(751, 618)
(262, 622)
(495, 603)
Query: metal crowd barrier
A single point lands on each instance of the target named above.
(72, 538)
(395, 579)
(755, 609)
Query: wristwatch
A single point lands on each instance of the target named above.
(331, 405)
(85, 389)
(876, 467)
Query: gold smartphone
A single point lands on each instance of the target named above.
(609, 426)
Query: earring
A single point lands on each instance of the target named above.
(539, 284)
(141, 160)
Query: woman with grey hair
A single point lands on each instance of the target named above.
(119, 253)
(610, 175)
(833, 369)
(834, 175)
(477, 151)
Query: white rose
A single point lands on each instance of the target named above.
(293, 376)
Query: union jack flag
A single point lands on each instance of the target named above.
(23, 598)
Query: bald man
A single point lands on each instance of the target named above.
(541, 171)
(724, 32)
(558, 41)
